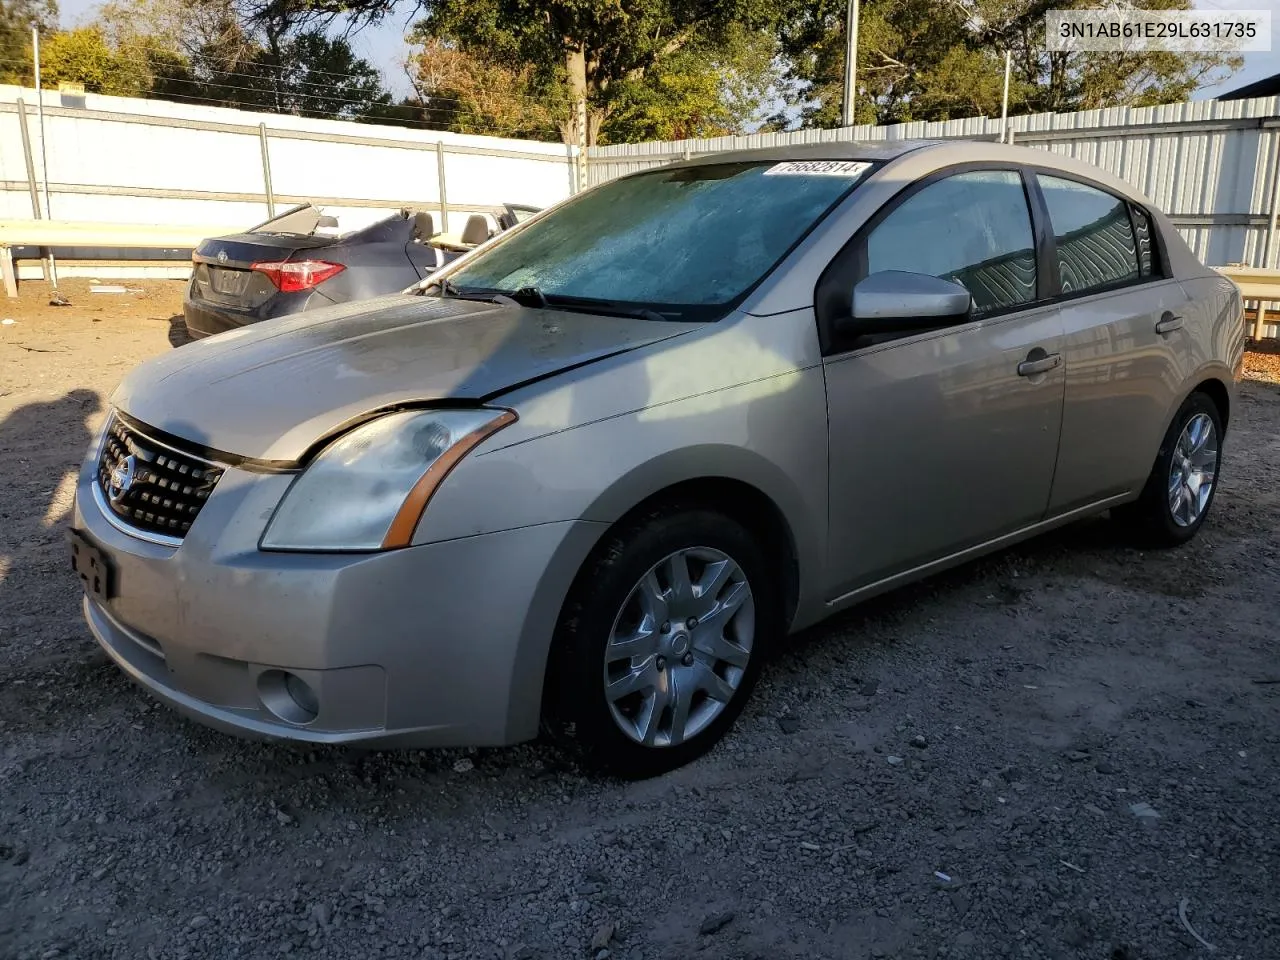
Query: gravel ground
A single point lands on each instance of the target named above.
(1043, 755)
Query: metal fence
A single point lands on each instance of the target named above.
(122, 160)
(1213, 167)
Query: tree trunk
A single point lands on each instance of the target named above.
(575, 62)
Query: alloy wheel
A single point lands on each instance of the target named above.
(679, 647)
(1193, 470)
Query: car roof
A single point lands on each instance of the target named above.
(939, 154)
(830, 150)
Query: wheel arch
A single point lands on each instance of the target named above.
(746, 486)
(747, 506)
(1217, 391)
(742, 501)
(1214, 380)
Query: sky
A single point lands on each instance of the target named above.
(385, 48)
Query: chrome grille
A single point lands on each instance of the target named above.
(151, 486)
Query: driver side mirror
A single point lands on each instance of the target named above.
(896, 301)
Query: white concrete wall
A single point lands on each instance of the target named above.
(146, 151)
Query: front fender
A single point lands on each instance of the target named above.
(769, 434)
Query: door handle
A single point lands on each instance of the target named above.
(1168, 323)
(1029, 368)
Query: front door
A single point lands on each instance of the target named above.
(945, 439)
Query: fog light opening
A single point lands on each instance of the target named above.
(288, 697)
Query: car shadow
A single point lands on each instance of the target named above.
(1001, 580)
(1073, 549)
(30, 537)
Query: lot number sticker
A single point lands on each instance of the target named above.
(818, 168)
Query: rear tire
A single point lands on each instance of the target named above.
(649, 669)
(1183, 480)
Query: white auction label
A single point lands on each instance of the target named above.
(1126, 30)
(819, 168)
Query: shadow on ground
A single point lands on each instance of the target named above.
(178, 335)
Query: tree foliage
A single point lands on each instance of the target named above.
(697, 91)
(1057, 81)
(307, 74)
(620, 59)
(468, 93)
(17, 18)
(83, 56)
(645, 69)
(206, 51)
(942, 59)
(694, 91)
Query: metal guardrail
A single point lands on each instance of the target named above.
(65, 233)
(1256, 283)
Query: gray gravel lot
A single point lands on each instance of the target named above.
(1042, 755)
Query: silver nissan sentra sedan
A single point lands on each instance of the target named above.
(590, 473)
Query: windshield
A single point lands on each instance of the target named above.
(684, 243)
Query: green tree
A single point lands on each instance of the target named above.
(308, 75)
(468, 93)
(214, 51)
(599, 51)
(699, 91)
(83, 56)
(943, 59)
(17, 17)
(1058, 81)
(900, 43)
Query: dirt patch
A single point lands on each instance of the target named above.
(1262, 361)
(1040, 755)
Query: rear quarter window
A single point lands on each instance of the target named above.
(1148, 265)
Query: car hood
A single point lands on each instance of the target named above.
(269, 391)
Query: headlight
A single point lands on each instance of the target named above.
(367, 489)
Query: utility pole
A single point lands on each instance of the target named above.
(850, 62)
(1004, 107)
(57, 298)
(582, 143)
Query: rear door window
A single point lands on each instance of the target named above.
(1094, 236)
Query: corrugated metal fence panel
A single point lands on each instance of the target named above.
(1208, 164)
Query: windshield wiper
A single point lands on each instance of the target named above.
(530, 293)
(448, 289)
(604, 307)
(534, 299)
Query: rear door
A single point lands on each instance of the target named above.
(1125, 346)
(946, 439)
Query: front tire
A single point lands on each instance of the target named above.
(1184, 479)
(661, 640)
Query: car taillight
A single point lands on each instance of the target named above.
(290, 276)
